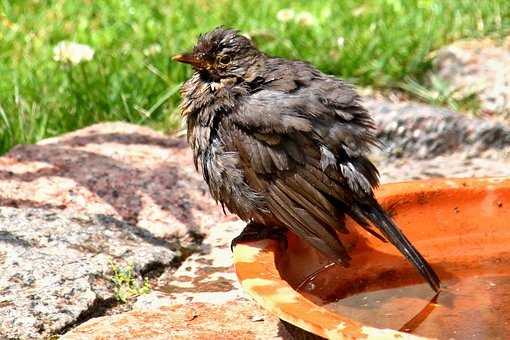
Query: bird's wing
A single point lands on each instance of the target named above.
(295, 192)
(336, 134)
(294, 149)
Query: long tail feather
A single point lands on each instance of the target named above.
(376, 214)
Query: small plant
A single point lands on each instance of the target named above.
(126, 286)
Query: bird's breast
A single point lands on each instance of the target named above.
(223, 172)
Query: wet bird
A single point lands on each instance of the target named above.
(284, 146)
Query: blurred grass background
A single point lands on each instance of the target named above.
(383, 44)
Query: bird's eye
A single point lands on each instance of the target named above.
(224, 60)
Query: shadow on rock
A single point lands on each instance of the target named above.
(143, 178)
(12, 239)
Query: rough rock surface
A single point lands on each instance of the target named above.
(481, 67)
(141, 182)
(423, 141)
(207, 276)
(419, 131)
(54, 266)
(197, 321)
(127, 171)
(201, 300)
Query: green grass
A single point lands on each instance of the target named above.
(386, 42)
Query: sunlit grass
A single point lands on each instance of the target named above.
(384, 43)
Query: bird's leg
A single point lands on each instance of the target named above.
(256, 231)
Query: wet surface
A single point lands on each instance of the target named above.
(471, 307)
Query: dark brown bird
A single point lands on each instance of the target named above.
(283, 145)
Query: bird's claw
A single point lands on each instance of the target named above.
(257, 232)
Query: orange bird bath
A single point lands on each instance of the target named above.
(461, 226)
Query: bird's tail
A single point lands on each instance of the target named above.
(379, 218)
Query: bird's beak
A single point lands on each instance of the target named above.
(189, 58)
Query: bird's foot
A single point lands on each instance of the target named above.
(256, 232)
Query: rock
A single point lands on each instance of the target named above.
(422, 141)
(419, 131)
(201, 300)
(127, 171)
(136, 191)
(452, 165)
(481, 67)
(55, 266)
(206, 276)
(190, 321)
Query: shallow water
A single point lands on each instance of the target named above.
(475, 307)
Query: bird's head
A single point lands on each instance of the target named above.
(222, 53)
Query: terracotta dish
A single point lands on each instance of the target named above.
(457, 224)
